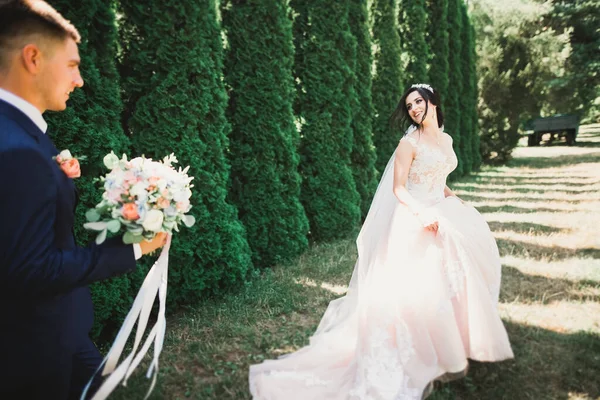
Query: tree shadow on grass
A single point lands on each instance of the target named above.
(518, 210)
(588, 144)
(476, 188)
(553, 162)
(525, 227)
(517, 248)
(547, 366)
(479, 199)
(524, 288)
(526, 180)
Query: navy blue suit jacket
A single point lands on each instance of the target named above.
(45, 303)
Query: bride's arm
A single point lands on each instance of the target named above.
(402, 163)
(449, 193)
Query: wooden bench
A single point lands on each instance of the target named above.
(560, 126)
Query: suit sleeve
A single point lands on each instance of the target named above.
(31, 264)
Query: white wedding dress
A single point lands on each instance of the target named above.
(419, 304)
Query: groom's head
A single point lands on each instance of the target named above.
(39, 58)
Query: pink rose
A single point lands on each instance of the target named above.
(130, 212)
(183, 205)
(114, 195)
(71, 168)
(163, 203)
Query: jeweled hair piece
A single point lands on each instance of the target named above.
(423, 86)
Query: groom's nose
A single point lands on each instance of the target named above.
(77, 79)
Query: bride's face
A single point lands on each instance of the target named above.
(416, 106)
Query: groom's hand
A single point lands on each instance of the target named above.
(159, 241)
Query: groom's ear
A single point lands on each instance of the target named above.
(31, 57)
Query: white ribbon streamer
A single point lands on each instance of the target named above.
(154, 283)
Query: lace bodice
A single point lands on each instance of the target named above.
(429, 170)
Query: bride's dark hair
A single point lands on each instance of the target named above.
(400, 117)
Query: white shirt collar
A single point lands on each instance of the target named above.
(25, 107)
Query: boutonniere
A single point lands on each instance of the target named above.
(68, 163)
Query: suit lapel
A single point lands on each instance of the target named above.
(67, 188)
(23, 120)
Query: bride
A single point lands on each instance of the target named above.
(423, 296)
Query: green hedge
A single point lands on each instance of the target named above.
(475, 141)
(387, 78)
(464, 100)
(438, 41)
(363, 151)
(412, 26)
(264, 182)
(452, 105)
(328, 191)
(175, 102)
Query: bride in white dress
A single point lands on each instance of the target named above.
(424, 292)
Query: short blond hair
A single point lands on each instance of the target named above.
(21, 19)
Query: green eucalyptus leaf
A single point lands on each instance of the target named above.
(92, 215)
(113, 226)
(189, 220)
(130, 238)
(101, 237)
(95, 226)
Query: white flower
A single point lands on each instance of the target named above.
(153, 221)
(139, 190)
(111, 160)
(182, 195)
(161, 184)
(65, 155)
(137, 162)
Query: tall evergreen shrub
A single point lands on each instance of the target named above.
(437, 39)
(325, 76)
(363, 151)
(452, 109)
(387, 78)
(175, 103)
(467, 105)
(264, 181)
(475, 141)
(412, 25)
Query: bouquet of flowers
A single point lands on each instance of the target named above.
(143, 197)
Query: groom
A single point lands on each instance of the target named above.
(45, 304)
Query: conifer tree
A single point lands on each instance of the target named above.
(363, 152)
(264, 182)
(438, 41)
(324, 106)
(175, 102)
(387, 79)
(412, 25)
(452, 105)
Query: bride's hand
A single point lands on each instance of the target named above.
(433, 227)
(428, 220)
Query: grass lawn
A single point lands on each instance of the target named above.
(544, 208)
